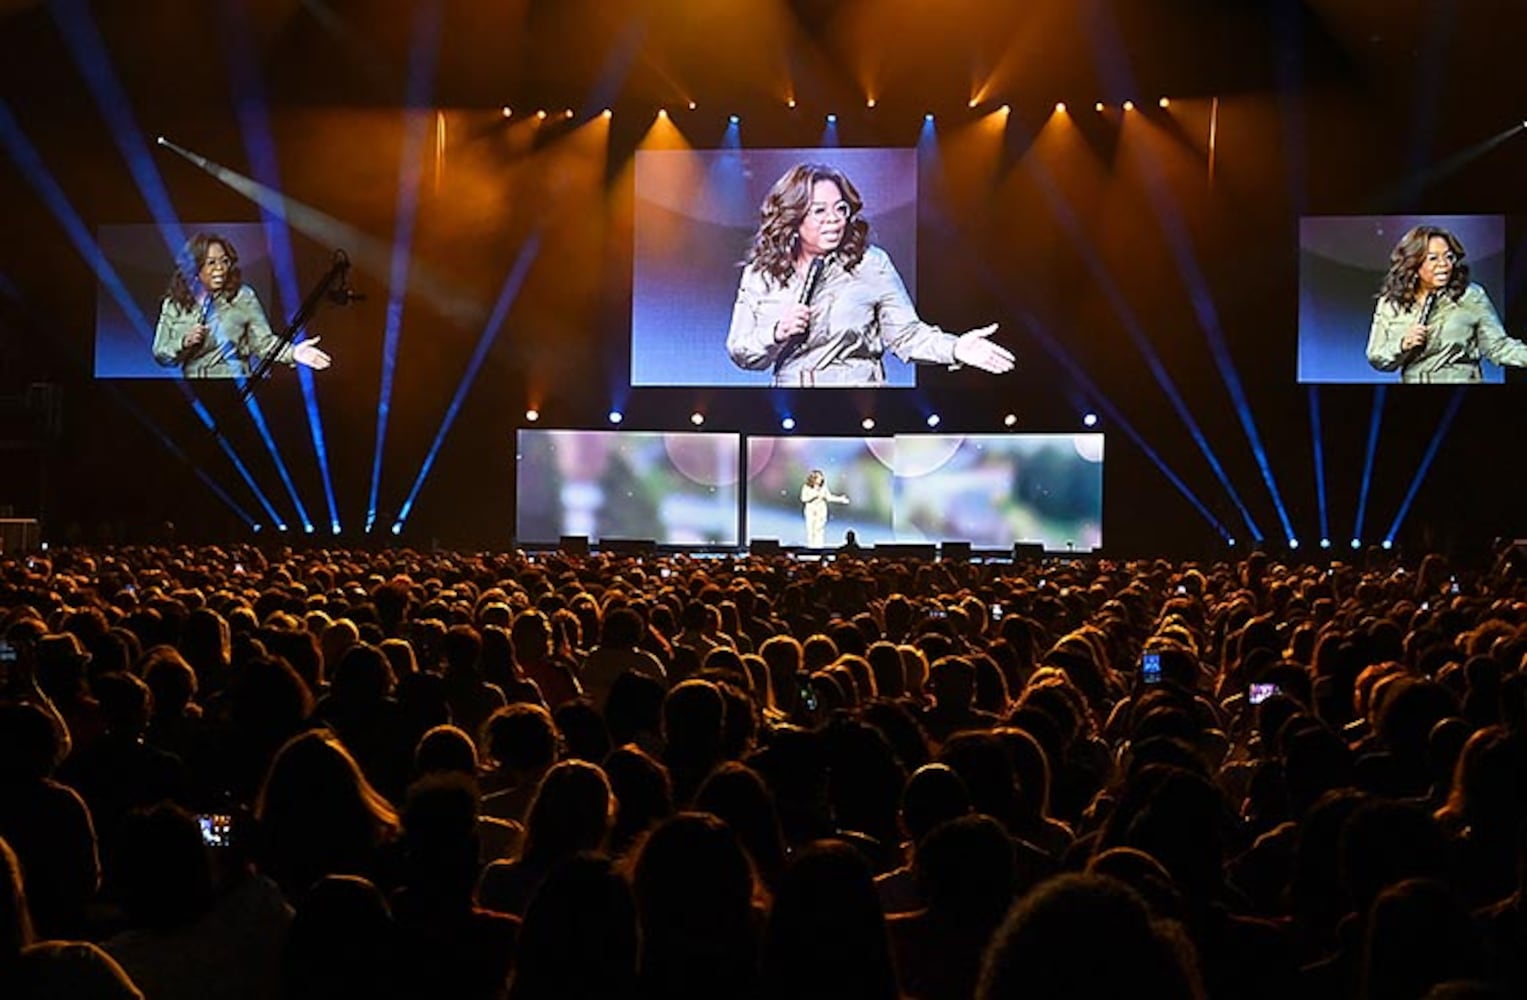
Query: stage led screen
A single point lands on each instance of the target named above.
(675, 489)
(145, 337)
(993, 490)
(856, 471)
(697, 213)
(1363, 284)
(989, 490)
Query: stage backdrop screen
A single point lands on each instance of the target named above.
(696, 214)
(1343, 262)
(989, 490)
(128, 309)
(675, 489)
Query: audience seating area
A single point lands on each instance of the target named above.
(242, 772)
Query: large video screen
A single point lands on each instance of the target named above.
(675, 489)
(701, 317)
(175, 328)
(989, 490)
(1405, 298)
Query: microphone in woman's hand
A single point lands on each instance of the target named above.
(1428, 307)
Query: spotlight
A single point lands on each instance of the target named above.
(788, 423)
(1060, 107)
(1129, 105)
(1293, 543)
(1230, 541)
(734, 119)
(508, 111)
(1011, 420)
(691, 105)
(1005, 109)
(541, 115)
(1165, 102)
(934, 420)
(1387, 543)
(870, 103)
(1098, 107)
(697, 418)
(832, 119)
(280, 527)
(397, 527)
(1089, 419)
(972, 103)
(662, 112)
(532, 414)
(790, 103)
(616, 416)
(928, 117)
(1357, 543)
(608, 113)
(1325, 543)
(868, 423)
(568, 113)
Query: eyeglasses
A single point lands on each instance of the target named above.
(1437, 258)
(217, 263)
(820, 211)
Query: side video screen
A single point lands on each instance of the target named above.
(1407, 299)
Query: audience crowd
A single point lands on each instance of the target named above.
(235, 773)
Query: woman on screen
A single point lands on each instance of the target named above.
(211, 323)
(1430, 322)
(815, 496)
(819, 305)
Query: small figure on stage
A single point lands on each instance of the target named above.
(211, 324)
(815, 496)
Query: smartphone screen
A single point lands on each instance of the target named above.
(216, 829)
(808, 695)
(1150, 667)
(996, 612)
(1258, 693)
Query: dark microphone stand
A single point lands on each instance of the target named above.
(332, 286)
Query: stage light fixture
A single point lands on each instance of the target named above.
(1357, 543)
(281, 527)
(790, 103)
(691, 105)
(868, 423)
(870, 103)
(832, 119)
(934, 420)
(1293, 543)
(1165, 102)
(1060, 107)
(397, 527)
(734, 119)
(541, 115)
(662, 112)
(567, 113)
(1089, 419)
(159, 140)
(697, 418)
(788, 423)
(1325, 543)
(1129, 105)
(972, 103)
(508, 111)
(1011, 420)
(1098, 107)
(616, 416)
(1230, 540)
(532, 415)
(1387, 544)
(608, 113)
(928, 117)
(1006, 109)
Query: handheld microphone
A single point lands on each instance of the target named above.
(813, 275)
(342, 294)
(1428, 307)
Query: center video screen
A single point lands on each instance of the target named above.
(202, 311)
(721, 288)
(989, 490)
(674, 489)
(1413, 299)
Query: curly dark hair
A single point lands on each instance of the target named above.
(187, 273)
(1404, 277)
(783, 211)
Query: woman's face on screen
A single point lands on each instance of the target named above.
(214, 270)
(1437, 265)
(826, 219)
